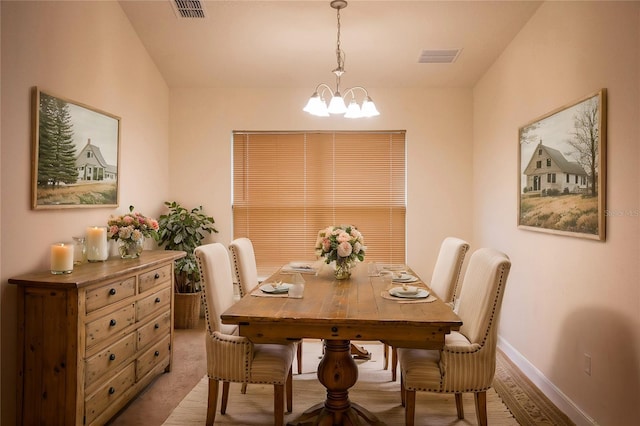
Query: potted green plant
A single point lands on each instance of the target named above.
(183, 229)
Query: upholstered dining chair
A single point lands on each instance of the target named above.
(446, 271)
(444, 280)
(467, 361)
(233, 358)
(246, 273)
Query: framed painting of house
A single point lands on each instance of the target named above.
(562, 170)
(75, 154)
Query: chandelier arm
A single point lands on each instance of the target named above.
(351, 90)
(323, 86)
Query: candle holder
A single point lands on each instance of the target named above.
(96, 246)
(61, 258)
(79, 251)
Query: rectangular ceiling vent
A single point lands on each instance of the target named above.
(442, 56)
(188, 8)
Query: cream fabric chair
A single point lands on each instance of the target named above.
(444, 280)
(246, 272)
(468, 360)
(446, 272)
(244, 262)
(233, 358)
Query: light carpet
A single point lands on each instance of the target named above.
(374, 390)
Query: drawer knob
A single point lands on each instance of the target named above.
(156, 326)
(156, 353)
(157, 300)
(112, 390)
(156, 276)
(112, 323)
(112, 357)
(112, 292)
(334, 329)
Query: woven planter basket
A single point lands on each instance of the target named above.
(187, 310)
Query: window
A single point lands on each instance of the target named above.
(538, 164)
(567, 177)
(551, 177)
(548, 162)
(288, 186)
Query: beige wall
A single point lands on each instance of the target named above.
(438, 125)
(567, 296)
(87, 52)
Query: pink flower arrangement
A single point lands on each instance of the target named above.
(131, 227)
(342, 244)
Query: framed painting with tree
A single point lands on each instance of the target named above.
(75, 154)
(562, 170)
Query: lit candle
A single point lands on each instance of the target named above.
(96, 244)
(61, 258)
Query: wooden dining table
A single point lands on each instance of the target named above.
(339, 311)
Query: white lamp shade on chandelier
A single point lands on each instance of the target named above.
(318, 106)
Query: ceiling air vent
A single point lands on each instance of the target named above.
(442, 56)
(188, 8)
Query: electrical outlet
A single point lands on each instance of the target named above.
(587, 364)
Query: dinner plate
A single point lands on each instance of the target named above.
(394, 267)
(405, 278)
(407, 290)
(399, 292)
(301, 265)
(276, 289)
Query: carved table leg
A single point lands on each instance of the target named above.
(337, 372)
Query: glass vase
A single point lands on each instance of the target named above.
(130, 249)
(343, 270)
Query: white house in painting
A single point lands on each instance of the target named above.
(92, 166)
(548, 170)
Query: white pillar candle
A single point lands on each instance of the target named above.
(96, 244)
(61, 258)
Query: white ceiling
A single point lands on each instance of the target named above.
(271, 44)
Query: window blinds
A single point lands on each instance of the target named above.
(288, 186)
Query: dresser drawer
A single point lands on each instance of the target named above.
(152, 357)
(104, 295)
(157, 327)
(79, 340)
(109, 325)
(153, 303)
(152, 278)
(98, 401)
(105, 361)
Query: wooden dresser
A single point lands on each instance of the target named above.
(89, 341)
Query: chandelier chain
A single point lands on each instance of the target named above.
(340, 55)
(338, 50)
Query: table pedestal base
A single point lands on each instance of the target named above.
(338, 372)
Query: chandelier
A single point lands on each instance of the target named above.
(317, 105)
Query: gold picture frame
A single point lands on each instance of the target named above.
(562, 170)
(76, 153)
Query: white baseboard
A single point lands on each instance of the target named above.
(579, 417)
